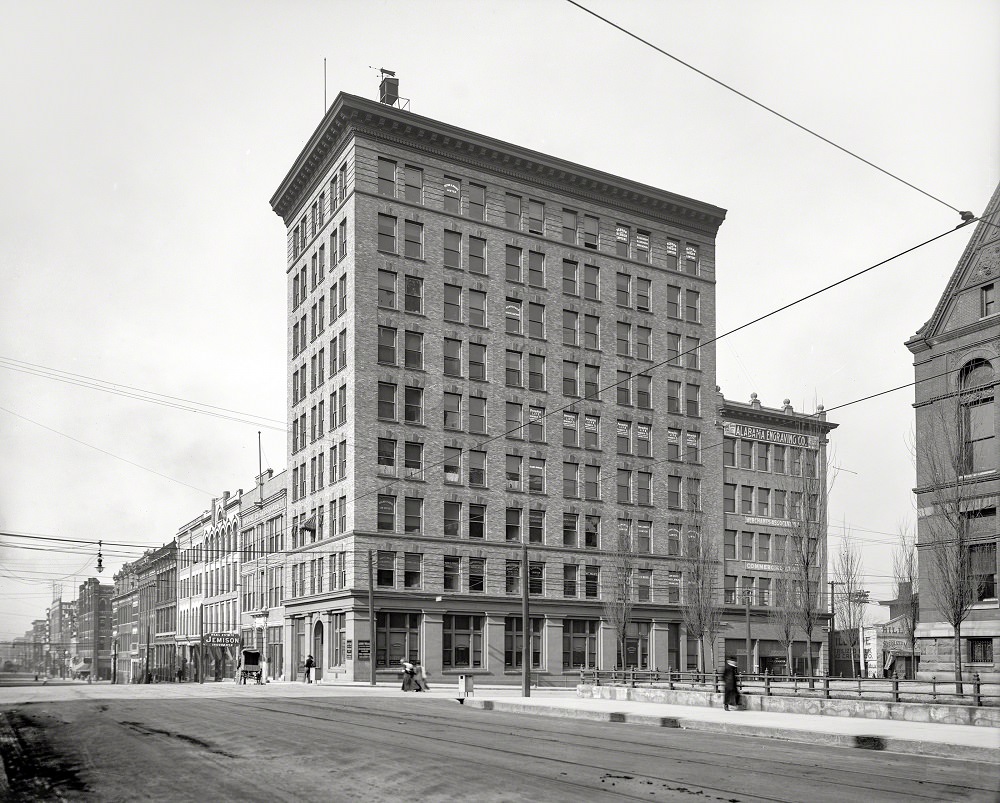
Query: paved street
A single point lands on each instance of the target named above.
(296, 742)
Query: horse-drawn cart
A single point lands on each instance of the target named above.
(250, 667)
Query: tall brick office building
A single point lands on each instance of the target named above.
(488, 347)
(956, 362)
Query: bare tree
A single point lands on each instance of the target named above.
(850, 605)
(618, 599)
(701, 605)
(783, 613)
(948, 534)
(905, 571)
(806, 550)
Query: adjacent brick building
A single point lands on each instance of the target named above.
(489, 347)
(956, 359)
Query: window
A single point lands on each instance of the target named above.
(624, 486)
(692, 348)
(592, 532)
(746, 454)
(981, 650)
(746, 499)
(413, 405)
(763, 456)
(513, 524)
(461, 641)
(512, 315)
(513, 472)
(983, 568)
(643, 440)
(397, 637)
(570, 572)
(386, 572)
(570, 379)
(644, 488)
(591, 231)
(536, 475)
(513, 421)
(452, 410)
(413, 353)
(536, 217)
(536, 372)
(513, 640)
(413, 513)
(642, 247)
(386, 401)
(536, 526)
(452, 357)
(536, 269)
(536, 424)
(692, 305)
(452, 465)
(672, 250)
(693, 493)
(386, 345)
(571, 480)
(643, 343)
(623, 285)
(624, 339)
(674, 492)
(386, 178)
(778, 509)
(570, 285)
(691, 259)
(452, 192)
(536, 577)
(477, 308)
(387, 289)
(477, 469)
(987, 300)
(624, 432)
(592, 482)
(591, 283)
(452, 518)
(644, 537)
(386, 515)
(414, 177)
(477, 575)
(592, 381)
(729, 548)
(778, 459)
(673, 301)
(623, 386)
(413, 294)
(452, 249)
(387, 233)
(512, 576)
(413, 460)
(592, 332)
(536, 320)
(387, 456)
(570, 223)
(692, 400)
(477, 522)
(571, 531)
(512, 209)
(570, 328)
(513, 370)
(452, 573)
(571, 436)
(513, 263)
(580, 639)
(693, 444)
(477, 361)
(414, 239)
(477, 256)
(477, 202)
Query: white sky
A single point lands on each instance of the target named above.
(141, 142)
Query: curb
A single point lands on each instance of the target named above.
(888, 744)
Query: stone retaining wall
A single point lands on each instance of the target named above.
(870, 709)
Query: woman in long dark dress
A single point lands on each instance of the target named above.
(409, 676)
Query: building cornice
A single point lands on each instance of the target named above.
(352, 114)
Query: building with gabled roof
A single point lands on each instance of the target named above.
(956, 360)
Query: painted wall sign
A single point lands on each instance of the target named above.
(764, 522)
(771, 435)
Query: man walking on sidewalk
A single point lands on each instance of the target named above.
(730, 679)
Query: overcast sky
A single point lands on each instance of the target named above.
(141, 143)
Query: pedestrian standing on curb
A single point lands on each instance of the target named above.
(730, 679)
(409, 676)
(310, 663)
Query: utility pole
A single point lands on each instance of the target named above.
(746, 596)
(525, 627)
(371, 620)
(201, 649)
(831, 632)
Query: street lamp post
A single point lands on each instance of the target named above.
(747, 592)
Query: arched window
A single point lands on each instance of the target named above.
(979, 443)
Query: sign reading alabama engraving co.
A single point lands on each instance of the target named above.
(771, 435)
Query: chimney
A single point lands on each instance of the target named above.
(389, 88)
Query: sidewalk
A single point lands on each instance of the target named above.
(967, 742)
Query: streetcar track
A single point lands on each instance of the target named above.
(788, 769)
(692, 756)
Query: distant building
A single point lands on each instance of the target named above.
(473, 328)
(774, 497)
(93, 646)
(956, 360)
(125, 625)
(62, 631)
